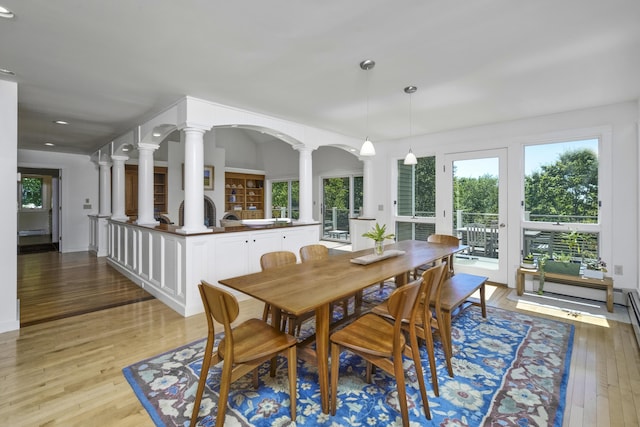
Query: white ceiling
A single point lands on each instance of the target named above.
(105, 66)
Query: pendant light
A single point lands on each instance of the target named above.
(410, 159)
(367, 148)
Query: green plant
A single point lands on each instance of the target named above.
(542, 260)
(596, 264)
(379, 234)
(528, 259)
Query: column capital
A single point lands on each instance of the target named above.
(147, 146)
(119, 158)
(304, 148)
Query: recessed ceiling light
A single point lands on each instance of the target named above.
(234, 126)
(156, 134)
(7, 72)
(6, 13)
(49, 144)
(60, 122)
(125, 148)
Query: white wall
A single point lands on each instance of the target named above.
(622, 119)
(9, 316)
(241, 151)
(80, 181)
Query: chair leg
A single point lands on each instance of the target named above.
(444, 326)
(225, 383)
(428, 339)
(335, 364)
(415, 354)
(293, 380)
(204, 372)
(402, 388)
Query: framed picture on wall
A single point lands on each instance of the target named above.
(208, 177)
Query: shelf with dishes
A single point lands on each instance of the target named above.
(244, 194)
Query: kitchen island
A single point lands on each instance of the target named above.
(169, 265)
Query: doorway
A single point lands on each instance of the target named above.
(476, 210)
(38, 218)
(342, 198)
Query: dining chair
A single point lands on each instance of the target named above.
(432, 279)
(277, 259)
(383, 344)
(318, 251)
(242, 350)
(445, 239)
(477, 238)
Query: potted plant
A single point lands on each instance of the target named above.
(528, 262)
(562, 264)
(595, 269)
(379, 235)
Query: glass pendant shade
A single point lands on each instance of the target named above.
(410, 159)
(367, 148)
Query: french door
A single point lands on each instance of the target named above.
(342, 198)
(476, 210)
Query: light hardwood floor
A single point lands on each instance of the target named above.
(67, 372)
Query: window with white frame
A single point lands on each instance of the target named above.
(416, 199)
(562, 200)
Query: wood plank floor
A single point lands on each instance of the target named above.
(67, 372)
(52, 286)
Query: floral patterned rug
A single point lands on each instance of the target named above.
(510, 369)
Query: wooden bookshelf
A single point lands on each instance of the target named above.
(244, 195)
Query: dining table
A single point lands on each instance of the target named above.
(314, 285)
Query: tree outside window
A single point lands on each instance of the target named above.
(32, 191)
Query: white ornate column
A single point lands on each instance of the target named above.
(145, 184)
(193, 182)
(306, 183)
(367, 188)
(117, 188)
(105, 188)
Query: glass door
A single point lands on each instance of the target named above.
(342, 198)
(476, 210)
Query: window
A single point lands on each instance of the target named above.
(285, 200)
(417, 188)
(35, 192)
(416, 199)
(561, 200)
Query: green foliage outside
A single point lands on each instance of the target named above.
(32, 193)
(565, 191)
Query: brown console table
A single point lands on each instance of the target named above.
(605, 284)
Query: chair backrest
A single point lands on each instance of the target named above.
(444, 239)
(310, 252)
(476, 234)
(431, 279)
(277, 259)
(404, 300)
(219, 305)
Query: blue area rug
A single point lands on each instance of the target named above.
(510, 369)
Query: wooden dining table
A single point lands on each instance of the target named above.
(314, 285)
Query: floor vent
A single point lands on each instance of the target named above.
(634, 312)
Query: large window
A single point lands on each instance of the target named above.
(561, 200)
(416, 199)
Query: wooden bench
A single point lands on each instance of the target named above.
(605, 284)
(455, 292)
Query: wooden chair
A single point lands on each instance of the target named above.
(382, 344)
(274, 260)
(446, 239)
(242, 349)
(318, 251)
(477, 238)
(432, 280)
